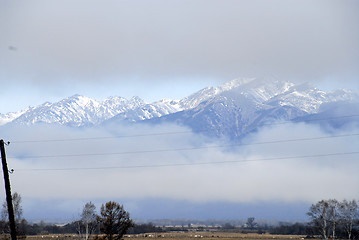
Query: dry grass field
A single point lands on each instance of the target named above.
(179, 236)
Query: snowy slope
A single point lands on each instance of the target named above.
(148, 111)
(77, 111)
(239, 107)
(9, 117)
(232, 109)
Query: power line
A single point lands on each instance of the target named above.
(191, 164)
(186, 149)
(102, 137)
(169, 133)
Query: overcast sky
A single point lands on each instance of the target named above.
(157, 49)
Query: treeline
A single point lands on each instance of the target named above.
(42, 228)
(25, 228)
(71, 228)
(328, 219)
(290, 229)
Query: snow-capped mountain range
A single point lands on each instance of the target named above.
(231, 109)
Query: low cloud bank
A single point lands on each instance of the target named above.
(170, 162)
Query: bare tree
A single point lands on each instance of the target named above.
(88, 222)
(333, 215)
(251, 223)
(319, 214)
(349, 212)
(16, 202)
(114, 220)
(329, 215)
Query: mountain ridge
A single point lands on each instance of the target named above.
(231, 109)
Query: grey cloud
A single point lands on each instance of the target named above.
(289, 180)
(91, 41)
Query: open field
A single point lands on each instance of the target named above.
(179, 236)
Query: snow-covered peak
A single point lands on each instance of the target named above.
(9, 117)
(114, 100)
(170, 105)
(76, 110)
(235, 83)
(256, 89)
(80, 101)
(137, 101)
(166, 101)
(195, 99)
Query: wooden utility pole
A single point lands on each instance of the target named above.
(10, 207)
